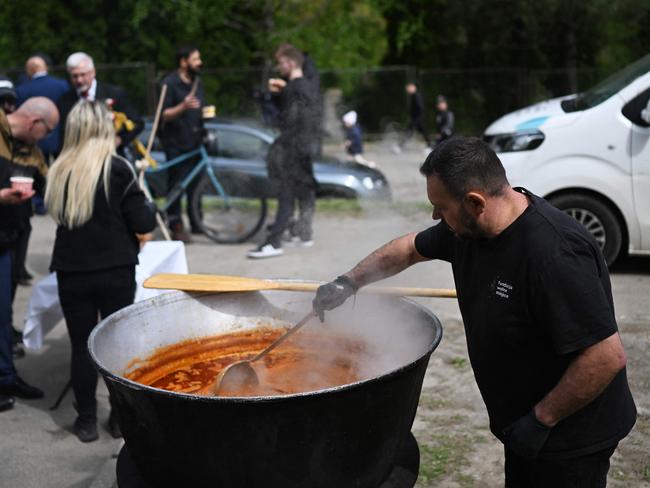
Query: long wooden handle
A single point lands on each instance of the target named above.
(152, 135)
(226, 283)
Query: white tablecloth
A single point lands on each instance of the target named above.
(44, 310)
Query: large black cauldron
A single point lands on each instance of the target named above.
(336, 438)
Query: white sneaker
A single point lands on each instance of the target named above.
(265, 251)
(296, 241)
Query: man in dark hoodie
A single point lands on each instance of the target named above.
(290, 158)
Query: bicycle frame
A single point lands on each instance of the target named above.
(204, 164)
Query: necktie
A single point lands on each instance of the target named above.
(84, 94)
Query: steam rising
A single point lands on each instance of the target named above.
(391, 339)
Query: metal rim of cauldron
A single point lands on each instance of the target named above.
(279, 398)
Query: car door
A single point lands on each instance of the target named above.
(640, 159)
(239, 159)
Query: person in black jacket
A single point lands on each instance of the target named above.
(290, 158)
(19, 132)
(416, 118)
(444, 120)
(94, 197)
(81, 69)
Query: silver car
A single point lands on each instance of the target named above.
(238, 152)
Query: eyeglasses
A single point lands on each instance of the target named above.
(48, 129)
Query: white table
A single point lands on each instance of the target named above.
(44, 311)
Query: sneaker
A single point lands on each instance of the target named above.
(85, 429)
(21, 389)
(296, 241)
(267, 250)
(6, 402)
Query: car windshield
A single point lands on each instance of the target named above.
(608, 87)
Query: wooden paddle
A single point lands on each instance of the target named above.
(225, 283)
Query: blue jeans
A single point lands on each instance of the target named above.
(7, 370)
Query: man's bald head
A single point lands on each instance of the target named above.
(34, 119)
(35, 64)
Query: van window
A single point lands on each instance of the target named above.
(609, 87)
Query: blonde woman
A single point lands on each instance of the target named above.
(94, 197)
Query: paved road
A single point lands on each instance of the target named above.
(37, 448)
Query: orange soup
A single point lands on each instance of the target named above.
(309, 361)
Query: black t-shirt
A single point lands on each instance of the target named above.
(531, 299)
(185, 132)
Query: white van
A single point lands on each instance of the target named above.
(589, 155)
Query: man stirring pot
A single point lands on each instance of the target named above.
(536, 301)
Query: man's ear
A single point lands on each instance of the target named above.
(475, 203)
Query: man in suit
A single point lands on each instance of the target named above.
(41, 84)
(81, 69)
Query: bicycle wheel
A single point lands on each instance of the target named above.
(229, 222)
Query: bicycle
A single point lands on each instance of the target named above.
(226, 218)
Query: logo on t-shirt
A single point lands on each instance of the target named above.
(502, 289)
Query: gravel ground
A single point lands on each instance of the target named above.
(38, 450)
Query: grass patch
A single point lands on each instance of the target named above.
(323, 205)
(443, 456)
(338, 205)
(646, 472)
(459, 362)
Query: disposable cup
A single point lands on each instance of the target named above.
(22, 183)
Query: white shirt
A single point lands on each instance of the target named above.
(91, 91)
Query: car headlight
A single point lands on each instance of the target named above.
(515, 141)
(368, 183)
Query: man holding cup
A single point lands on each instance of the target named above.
(19, 157)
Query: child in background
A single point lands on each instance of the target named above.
(353, 142)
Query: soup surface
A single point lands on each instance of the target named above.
(309, 361)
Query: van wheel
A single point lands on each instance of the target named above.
(597, 218)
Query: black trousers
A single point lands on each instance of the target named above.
(289, 194)
(18, 259)
(84, 297)
(582, 472)
(176, 174)
(415, 125)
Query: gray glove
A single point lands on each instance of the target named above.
(333, 294)
(526, 436)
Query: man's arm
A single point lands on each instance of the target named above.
(585, 378)
(188, 103)
(386, 261)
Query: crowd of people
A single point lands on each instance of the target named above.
(76, 134)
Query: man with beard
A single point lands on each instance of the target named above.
(182, 129)
(536, 301)
(290, 158)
